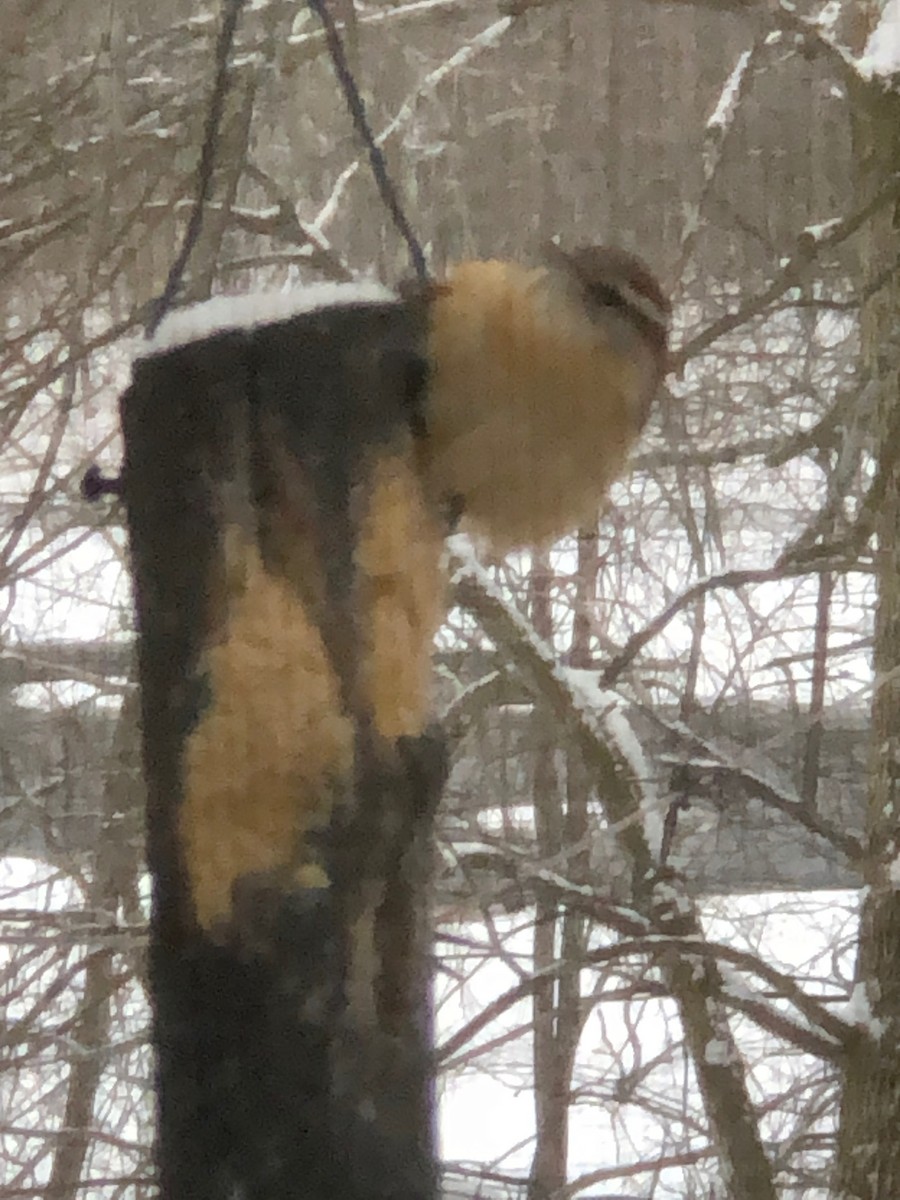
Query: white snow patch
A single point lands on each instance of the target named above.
(858, 1011)
(253, 58)
(608, 711)
(734, 985)
(882, 53)
(723, 113)
(565, 885)
(820, 231)
(828, 15)
(587, 694)
(148, 122)
(717, 1053)
(223, 313)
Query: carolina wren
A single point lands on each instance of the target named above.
(541, 379)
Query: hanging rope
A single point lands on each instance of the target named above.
(159, 308)
(94, 484)
(357, 108)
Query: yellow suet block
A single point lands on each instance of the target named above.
(258, 763)
(401, 597)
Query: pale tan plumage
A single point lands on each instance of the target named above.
(540, 382)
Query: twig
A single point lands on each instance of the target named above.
(731, 580)
(808, 248)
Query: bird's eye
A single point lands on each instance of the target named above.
(606, 295)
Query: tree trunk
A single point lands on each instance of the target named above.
(551, 1079)
(868, 1164)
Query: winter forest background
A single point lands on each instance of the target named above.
(731, 625)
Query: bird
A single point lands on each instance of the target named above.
(539, 381)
